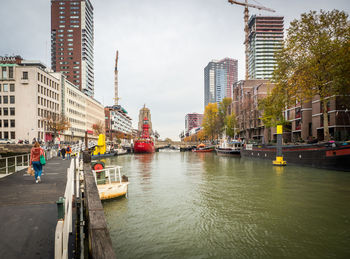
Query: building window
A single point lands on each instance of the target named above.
(12, 99)
(12, 123)
(11, 72)
(6, 124)
(12, 111)
(6, 99)
(6, 111)
(13, 135)
(6, 87)
(25, 75)
(0, 123)
(4, 73)
(6, 134)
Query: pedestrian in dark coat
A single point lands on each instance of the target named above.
(63, 153)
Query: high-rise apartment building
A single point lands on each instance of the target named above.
(72, 42)
(265, 38)
(218, 79)
(193, 120)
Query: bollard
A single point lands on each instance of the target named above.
(60, 208)
(279, 157)
(86, 157)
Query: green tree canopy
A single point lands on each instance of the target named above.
(223, 112)
(314, 61)
(231, 125)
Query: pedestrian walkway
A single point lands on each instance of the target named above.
(28, 211)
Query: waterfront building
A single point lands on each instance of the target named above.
(72, 42)
(73, 108)
(265, 39)
(117, 121)
(306, 119)
(42, 94)
(219, 75)
(95, 115)
(145, 113)
(29, 94)
(193, 120)
(245, 101)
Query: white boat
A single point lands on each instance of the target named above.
(229, 148)
(110, 183)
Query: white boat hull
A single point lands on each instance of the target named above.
(112, 190)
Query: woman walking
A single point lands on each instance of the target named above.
(35, 154)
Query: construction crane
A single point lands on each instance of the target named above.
(116, 98)
(246, 28)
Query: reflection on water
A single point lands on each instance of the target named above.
(190, 205)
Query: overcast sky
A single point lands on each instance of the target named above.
(163, 46)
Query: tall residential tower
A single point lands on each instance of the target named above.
(265, 38)
(218, 79)
(72, 42)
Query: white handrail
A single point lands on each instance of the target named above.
(108, 174)
(64, 226)
(13, 162)
(19, 164)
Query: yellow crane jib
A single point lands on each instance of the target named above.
(100, 149)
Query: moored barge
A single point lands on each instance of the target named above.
(331, 155)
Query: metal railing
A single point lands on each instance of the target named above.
(81, 146)
(64, 225)
(12, 164)
(110, 174)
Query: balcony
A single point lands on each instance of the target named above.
(24, 80)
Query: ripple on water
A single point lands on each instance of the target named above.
(183, 205)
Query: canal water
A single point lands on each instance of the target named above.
(196, 205)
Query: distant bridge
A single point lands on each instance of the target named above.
(180, 144)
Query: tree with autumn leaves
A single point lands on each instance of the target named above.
(216, 119)
(314, 61)
(98, 128)
(56, 124)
